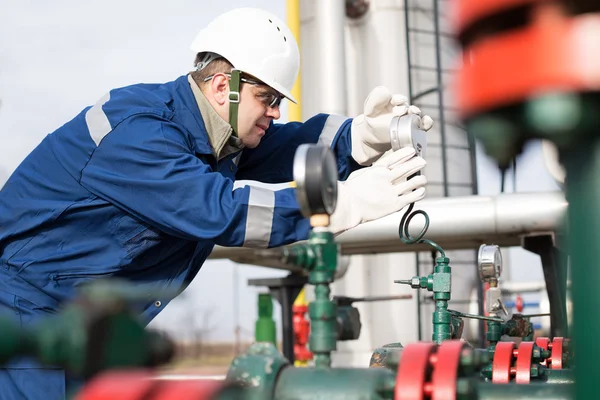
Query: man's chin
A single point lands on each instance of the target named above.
(251, 144)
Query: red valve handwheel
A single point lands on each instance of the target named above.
(502, 363)
(412, 371)
(524, 359)
(445, 372)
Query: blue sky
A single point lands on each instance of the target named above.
(59, 56)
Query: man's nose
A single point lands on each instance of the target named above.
(273, 112)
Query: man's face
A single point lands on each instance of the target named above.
(259, 105)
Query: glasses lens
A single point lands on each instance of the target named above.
(275, 100)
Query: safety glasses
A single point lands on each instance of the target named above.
(265, 96)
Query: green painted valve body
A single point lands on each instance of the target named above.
(319, 257)
(440, 283)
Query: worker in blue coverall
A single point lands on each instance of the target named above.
(145, 182)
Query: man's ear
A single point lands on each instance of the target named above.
(220, 88)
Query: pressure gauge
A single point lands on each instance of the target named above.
(315, 173)
(489, 261)
(405, 132)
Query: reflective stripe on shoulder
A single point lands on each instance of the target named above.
(331, 127)
(97, 121)
(259, 221)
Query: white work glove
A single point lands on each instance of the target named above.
(371, 130)
(379, 190)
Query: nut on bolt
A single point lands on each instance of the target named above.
(415, 282)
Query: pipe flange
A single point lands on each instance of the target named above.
(412, 371)
(503, 358)
(523, 365)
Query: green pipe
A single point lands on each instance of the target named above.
(490, 391)
(442, 319)
(583, 193)
(319, 257)
(265, 325)
(335, 383)
(322, 311)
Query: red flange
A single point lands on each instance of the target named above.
(524, 359)
(503, 356)
(553, 52)
(413, 371)
(556, 347)
(134, 385)
(544, 343)
(131, 385)
(188, 390)
(467, 12)
(557, 353)
(445, 372)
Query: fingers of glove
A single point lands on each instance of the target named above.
(403, 109)
(412, 197)
(395, 157)
(378, 101)
(408, 186)
(426, 123)
(414, 110)
(400, 110)
(405, 169)
(399, 100)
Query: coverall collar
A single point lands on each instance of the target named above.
(220, 133)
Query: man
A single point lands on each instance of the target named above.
(141, 185)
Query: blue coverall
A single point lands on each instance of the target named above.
(131, 188)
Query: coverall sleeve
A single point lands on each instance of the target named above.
(272, 160)
(149, 167)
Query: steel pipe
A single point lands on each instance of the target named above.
(455, 223)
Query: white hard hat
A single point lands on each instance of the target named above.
(255, 42)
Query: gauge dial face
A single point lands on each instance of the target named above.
(315, 173)
(489, 261)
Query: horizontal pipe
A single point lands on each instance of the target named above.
(455, 223)
(522, 287)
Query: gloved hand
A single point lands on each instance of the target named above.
(379, 190)
(371, 130)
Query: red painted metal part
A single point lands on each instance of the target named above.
(544, 343)
(412, 371)
(188, 390)
(557, 353)
(466, 12)
(301, 333)
(553, 52)
(519, 303)
(445, 373)
(117, 385)
(524, 359)
(135, 385)
(502, 363)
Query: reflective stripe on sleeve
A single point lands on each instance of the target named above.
(331, 127)
(259, 221)
(97, 121)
